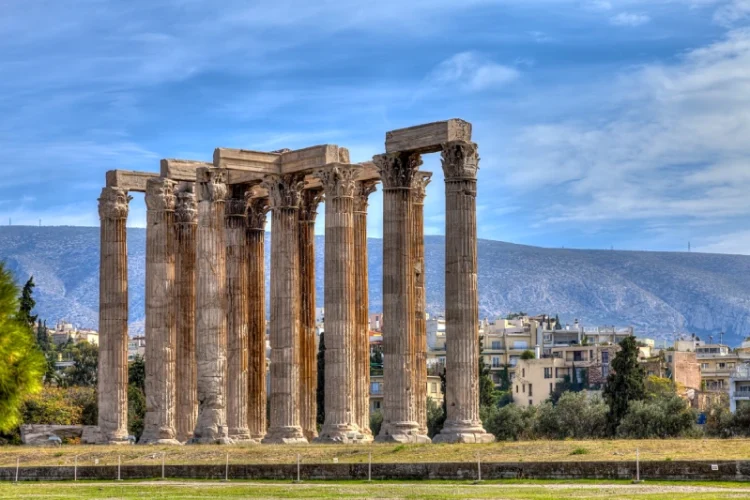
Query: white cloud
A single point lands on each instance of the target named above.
(732, 12)
(737, 242)
(472, 72)
(629, 19)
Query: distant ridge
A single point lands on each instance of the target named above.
(657, 292)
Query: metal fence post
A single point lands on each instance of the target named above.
(119, 466)
(369, 468)
(226, 470)
(18, 463)
(298, 469)
(75, 468)
(163, 455)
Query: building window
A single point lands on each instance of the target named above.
(523, 388)
(605, 371)
(375, 388)
(516, 388)
(520, 344)
(495, 361)
(377, 405)
(605, 357)
(577, 355)
(548, 373)
(496, 344)
(530, 391)
(550, 388)
(722, 366)
(433, 387)
(531, 403)
(523, 372)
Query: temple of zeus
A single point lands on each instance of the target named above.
(206, 299)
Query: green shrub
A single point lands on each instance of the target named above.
(576, 415)
(663, 417)
(510, 422)
(376, 421)
(435, 418)
(580, 451)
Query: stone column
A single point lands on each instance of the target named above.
(161, 326)
(340, 323)
(186, 225)
(399, 417)
(362, 310)
(257, 208)
(421, 179)
(284, 193)
(237, 314)
(460, 164)
(308, 353)
(211, 320)
(112, 387)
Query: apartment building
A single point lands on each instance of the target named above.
(66, 332)
(536, 379)
(717, 364)
(434, 391)
(739, 387)
(681, 367)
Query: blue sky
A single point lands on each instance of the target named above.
(600, 123)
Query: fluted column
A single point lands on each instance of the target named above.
(257, 209)
(186, 225)
(362, 310)
(421, 179)
(237, 314)
(284, 193)
(308, 353)
(340, 425)
(161, 326)
(210, 320)
(399, 416)
(463, 425)
(112, 385)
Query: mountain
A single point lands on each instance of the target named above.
(659, 293)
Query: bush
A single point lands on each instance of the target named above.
(376, 421)
(55, 406)
(719, 422)
(576, 415)
(741, 422)
(510, 422)
(659, 418)
(435, 418)
(136, 410)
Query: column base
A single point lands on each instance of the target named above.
(240, 435)
(310, 435)
(402, 432)
(463, 432)
(284, 435)
(163, 435)
(211, 440)
(170, 442)
(342, 434)
(92, 434)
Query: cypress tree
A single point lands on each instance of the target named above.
(626, 383)
(487, 395)
(321, 392)
(27, 303)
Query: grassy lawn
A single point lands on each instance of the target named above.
(450, 490)
(530, 451)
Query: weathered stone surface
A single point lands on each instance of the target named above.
(362, 314)
(129, 181)
(463, 425)
(185, 227)
(211, 321)
(340, 415)
(38, 435)
(251, 161)
(112, 386)
(237, 314)
(397, 171)
(308, 350)
(421, 180)
(284, 195)
(312, 158)
(427, 138)
(256, 399)
(161, 326)
(181, 170)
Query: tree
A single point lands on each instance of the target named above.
(487, 396)
(557, 325)
(576, 415)
(27, 303)
(528, 354)
(625, 384)
(21, 364)
(84, 371)
(137, 373)
(519, 314)
(510, 422)
(666, 416)
(435, 417)
(321, 392)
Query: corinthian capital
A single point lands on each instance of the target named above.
(186, 208)
(338, 181)
(113, 203)
(284, 191)
(308, 208)
(419, 186)
(460, 160)
(257, 209)
(397, 169)
(236, 204)
(212, 184)
(160, 195)
(362, 194)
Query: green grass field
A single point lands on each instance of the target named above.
(536, 490)
(528, 451)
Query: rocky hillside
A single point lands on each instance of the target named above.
(657, 292)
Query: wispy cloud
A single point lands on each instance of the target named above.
(631, 19)
(472, 72)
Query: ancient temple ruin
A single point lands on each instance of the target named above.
(205, 294)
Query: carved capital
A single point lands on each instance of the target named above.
(160, 195)
(362, 194)
(284, 191)
(460, 160)
(338, 181)
(186, 207)
(419, 186)
(212, 184)
(113, 203)
(236, 204)
(397, 169)
(257, 209)
(308, 208)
